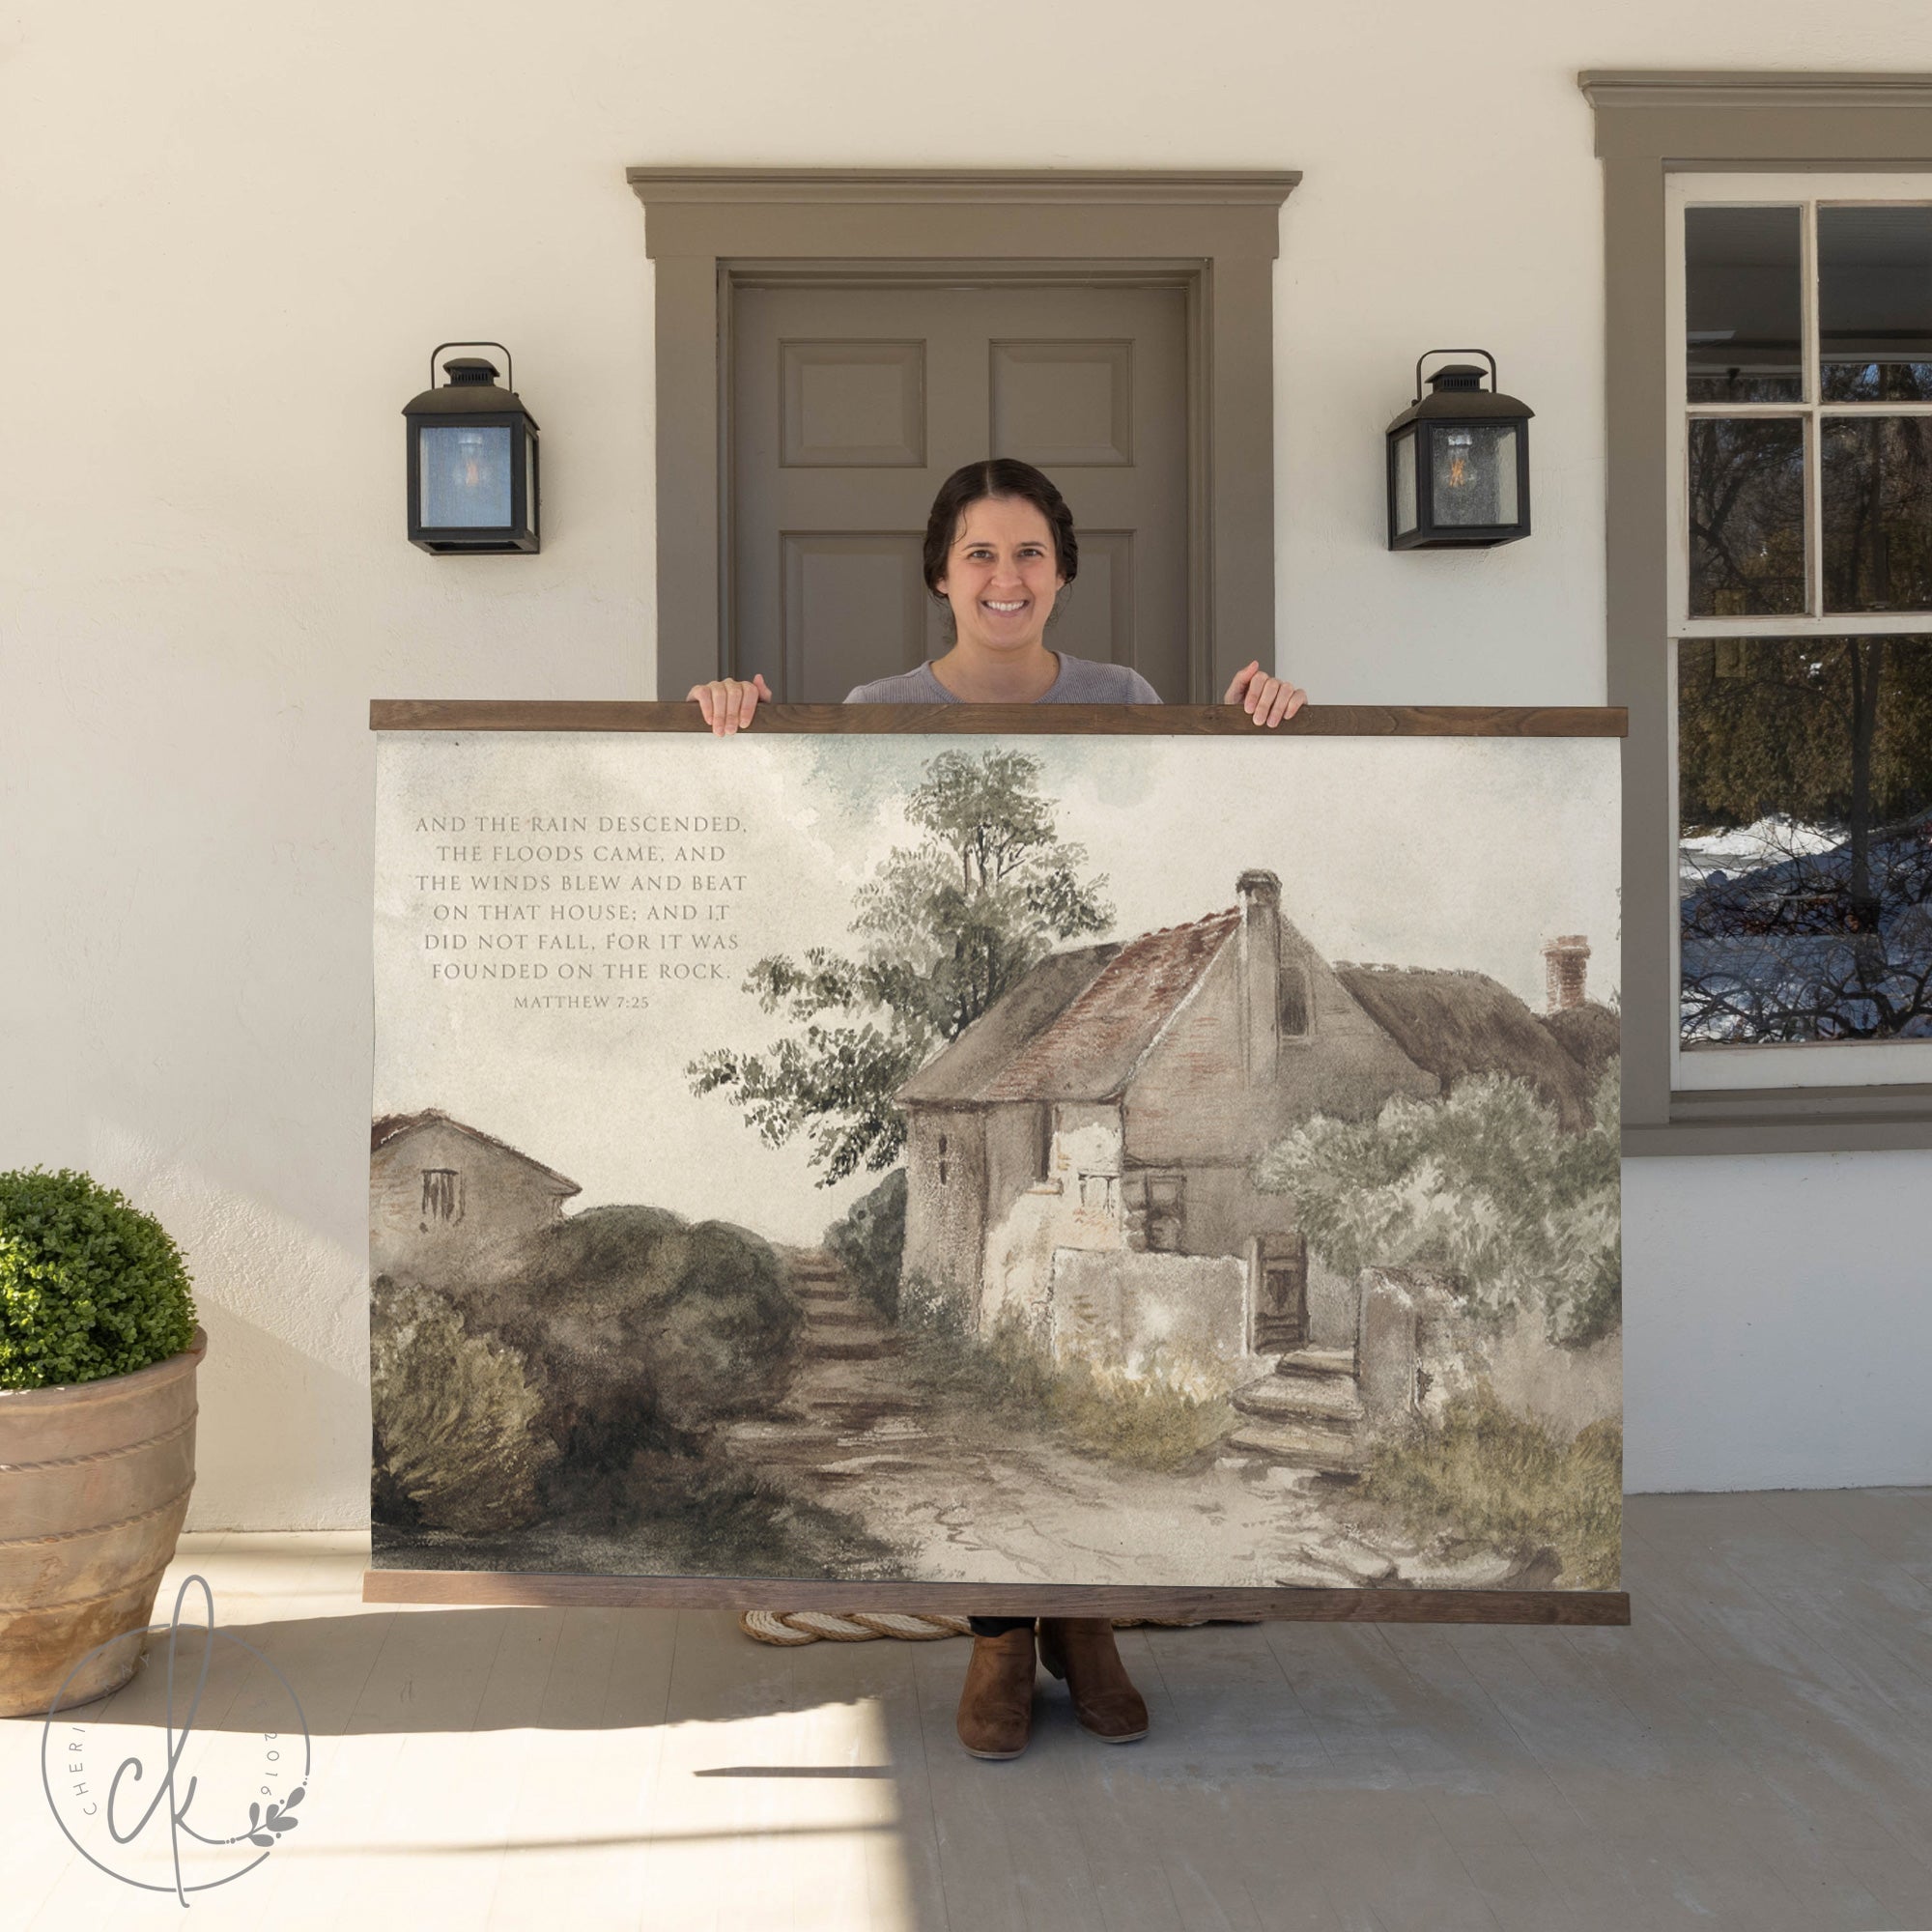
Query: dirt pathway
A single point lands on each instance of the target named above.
(968, 1496)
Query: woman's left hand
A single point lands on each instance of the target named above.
(1266, 700)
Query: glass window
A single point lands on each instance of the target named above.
(1805, 802)
(1293, 1001)
(1746, 514)
(1876, 474)
(1802, 622)
(1743, 311)
(441, 1197)
(1167, 1212)
(1875, 304)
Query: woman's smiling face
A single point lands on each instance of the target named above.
(1002, 575)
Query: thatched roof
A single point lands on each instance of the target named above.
(388, 1129)
(1458, 1023)
(1590, 1034)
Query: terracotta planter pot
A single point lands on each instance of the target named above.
(93, 1487)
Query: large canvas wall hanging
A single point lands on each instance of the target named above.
(998, 1167)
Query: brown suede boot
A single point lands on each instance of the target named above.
(1082, 1650)
(996, 1701)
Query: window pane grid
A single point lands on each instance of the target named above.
(1707, 574)
(1827, 409)
(1838, 624)
(1836, 957)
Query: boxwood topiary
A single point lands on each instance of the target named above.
(89, 1285)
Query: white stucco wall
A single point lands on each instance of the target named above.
(231, 236)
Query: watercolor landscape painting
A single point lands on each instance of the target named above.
(1078, 1160)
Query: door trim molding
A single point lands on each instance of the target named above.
(708, 230)
(1258, 188)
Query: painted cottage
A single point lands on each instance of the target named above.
(1081, 1156)
(450, 1206)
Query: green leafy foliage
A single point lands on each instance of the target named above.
(1482, 1187)
(946, 926)
(869, 1240)
(89, 1285)
(644, 1330)
(458, 1438)
(1492, 1477)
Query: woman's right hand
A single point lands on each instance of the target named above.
(728, 703)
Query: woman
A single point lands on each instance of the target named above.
(999, 548)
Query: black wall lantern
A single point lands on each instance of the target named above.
(1458, 461)
(473, 461)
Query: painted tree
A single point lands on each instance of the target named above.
(1482, 1186)
(944, 927)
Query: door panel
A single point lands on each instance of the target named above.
(837, 584)
(850, 406)
(1281, 1307)
(1067, 404)
(856, 405)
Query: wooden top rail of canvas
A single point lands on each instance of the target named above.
(1313, 721)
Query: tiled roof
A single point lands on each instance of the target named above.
(389, 1127)
(1078, 1024)
(965, 1069)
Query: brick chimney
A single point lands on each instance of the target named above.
(1566, 962)
(1260, 894)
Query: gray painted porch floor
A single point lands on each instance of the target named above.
(1754, 1753)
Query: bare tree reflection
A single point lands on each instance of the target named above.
(1823, 748)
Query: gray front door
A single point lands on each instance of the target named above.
(850, 406)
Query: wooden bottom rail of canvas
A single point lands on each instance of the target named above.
(790, 1627)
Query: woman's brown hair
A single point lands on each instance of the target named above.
(996, 476)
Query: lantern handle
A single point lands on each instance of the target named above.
(1496, 380)
(510, 368)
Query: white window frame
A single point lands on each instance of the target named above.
(1719, 1067)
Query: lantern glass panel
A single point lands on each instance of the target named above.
(465, 477)
(1472, 474)
(1405, 483)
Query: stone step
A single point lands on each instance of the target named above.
(772, 1434)
(1313, 1448)
(837, 1315)
(1310, 1364)
(1330, 1431)
(811, 1289)
(848, 1346)
(1286, 1397)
